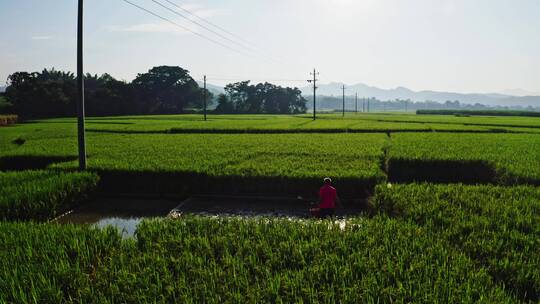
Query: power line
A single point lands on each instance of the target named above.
(241, 41)
(186, 29)
(259, 79)
(210, 23)
(245, 78)
(199, 24)
(234, 77)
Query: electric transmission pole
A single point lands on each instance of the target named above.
(204, 97)
(363, 105)
(343, 100)
(368, 105)
(314, 81)
(80, 88)
(356, 103)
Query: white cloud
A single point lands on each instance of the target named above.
(208, 13)
(191, 6)
(200, 11)
(40, 37)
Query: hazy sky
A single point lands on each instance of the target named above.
(451, 45)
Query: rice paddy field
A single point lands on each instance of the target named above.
(451, 214)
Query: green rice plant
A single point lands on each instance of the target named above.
(282, 261)
(359, 123)
(242, 163)
(282, 162)
(209, 260)
(446, 157)
(42, 195)
(479, 112)
(49, 263)
(463, 121)
(497, 227)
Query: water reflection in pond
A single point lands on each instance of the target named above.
(127, 226)
(122, 213)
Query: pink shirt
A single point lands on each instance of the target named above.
(328, 195)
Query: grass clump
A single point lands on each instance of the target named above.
(42, 195)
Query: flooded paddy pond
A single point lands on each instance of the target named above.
(217, 205)
(126, 213)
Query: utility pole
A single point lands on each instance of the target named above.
(314, 80)
(204, 97)
(356, 103)
(363, 105)
(80, 87)
(368, 105)
(343, 100)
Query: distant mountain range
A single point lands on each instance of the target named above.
(494, 99)
(508, 98)
(2, 89)
(520, 92)
(214, 89)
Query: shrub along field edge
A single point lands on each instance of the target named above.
(6, 120)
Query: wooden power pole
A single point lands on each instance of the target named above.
(314, 81)
(343, 111)
(363, 105)
(80, 89)
(356, 103)
(204, 97)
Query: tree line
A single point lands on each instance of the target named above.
(334, 103)
(161, 90)
(268, 98)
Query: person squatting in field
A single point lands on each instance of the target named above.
(327, 200)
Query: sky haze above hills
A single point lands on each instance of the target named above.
(463, 46)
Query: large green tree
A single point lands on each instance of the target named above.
(46, 94)
(106, 96)
(166, 90)
(261, 98)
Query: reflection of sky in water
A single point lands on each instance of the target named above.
(127, 226)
